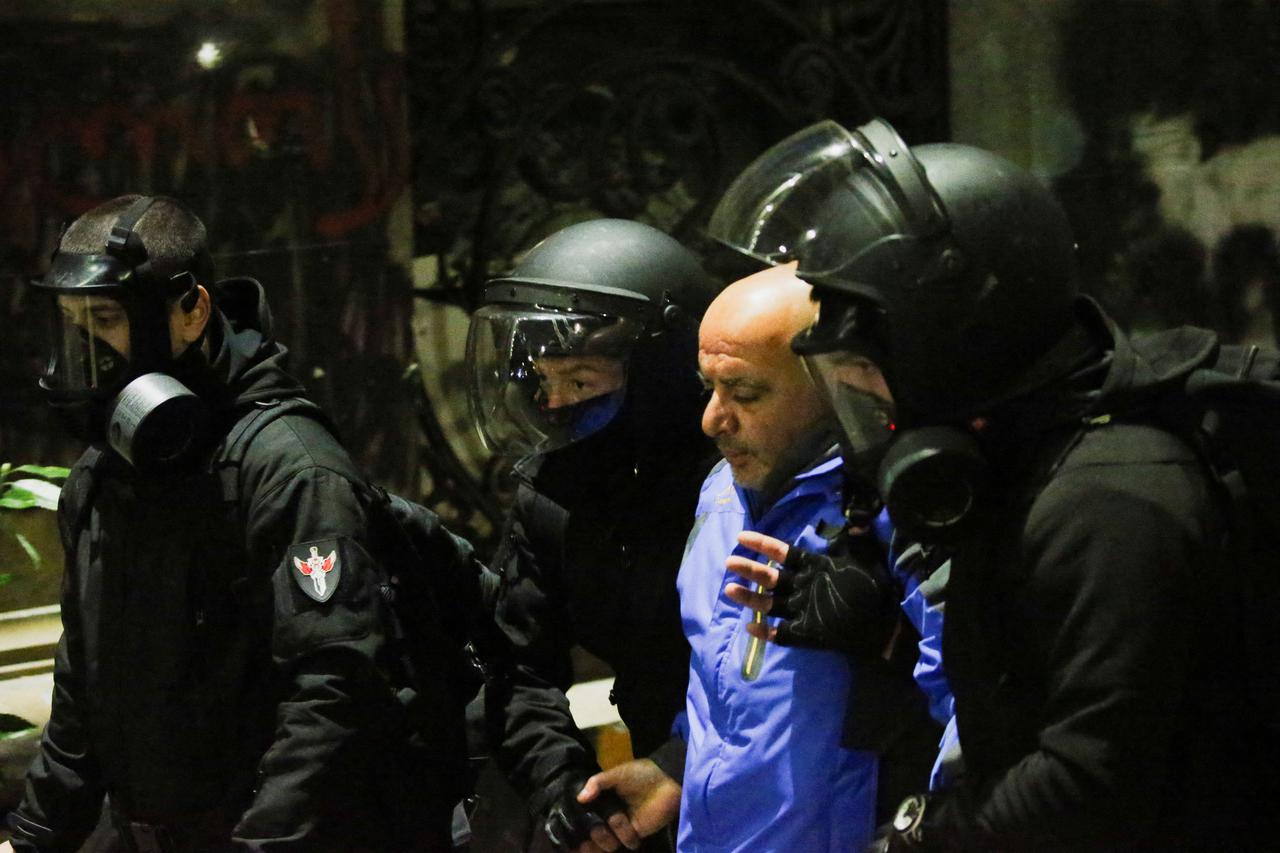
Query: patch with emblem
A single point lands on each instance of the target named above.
(316, 568)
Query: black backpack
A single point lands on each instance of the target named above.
(1228, 410)
(438, 595)
(433, 582)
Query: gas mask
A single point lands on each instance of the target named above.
(110, 367)
(930, 478)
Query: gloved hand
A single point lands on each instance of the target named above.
(843, 602)
(569, 823)
(838, 603)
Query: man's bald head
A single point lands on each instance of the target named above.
(762, 400)
(766, 309)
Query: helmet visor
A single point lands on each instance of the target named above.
(824, 196)
(849, 383)
(541, 378)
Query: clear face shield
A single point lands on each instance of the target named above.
(90, 346)
(845, 205)
(89, 328)
(543, 378)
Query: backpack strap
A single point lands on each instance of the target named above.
(228, 523)
(79, 491)
(229, 457)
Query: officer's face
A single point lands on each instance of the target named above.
(567, 380)
(762, 402)
(100, 317)
(855, 372)
(105, 318)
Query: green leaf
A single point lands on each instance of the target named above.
(4, 469)
(49, 472)
(45, 493)
(15, 497)
(6, 578)
(30, 549)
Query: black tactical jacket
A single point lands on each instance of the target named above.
(589, 556)
(1092, 634)
(201, 682)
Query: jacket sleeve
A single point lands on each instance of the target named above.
(671, 754)
(537, 743)
(329, 648)
(922, 577)
(1110, 614)
(64, 790)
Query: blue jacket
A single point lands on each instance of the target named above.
(922, 576)
(765, 770)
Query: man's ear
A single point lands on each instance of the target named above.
(195, 318)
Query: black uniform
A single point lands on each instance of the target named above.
(1092, 635)
(1095, 628)
(223, 697)
(589, 556)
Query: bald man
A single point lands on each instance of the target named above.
(765, 770)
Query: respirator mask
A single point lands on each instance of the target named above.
(110, 367)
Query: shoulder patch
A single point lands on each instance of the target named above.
(316, 568)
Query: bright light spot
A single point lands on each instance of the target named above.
(208, 55)
(834, 150)
(810, 234)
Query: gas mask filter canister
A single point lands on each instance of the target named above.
(155, 421)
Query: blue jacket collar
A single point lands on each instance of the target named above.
(810, 480)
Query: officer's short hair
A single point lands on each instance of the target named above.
(171, 234)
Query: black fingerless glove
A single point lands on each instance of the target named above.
(843, 603)
(569, 822)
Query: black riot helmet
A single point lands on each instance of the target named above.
(952, 264)
(597, 322)
(949, 267)
(112, 284)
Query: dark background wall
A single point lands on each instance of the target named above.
(291, 146)
(1157, 122)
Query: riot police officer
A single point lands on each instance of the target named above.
(1092, 635)
(225, 675)
(583, 362)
